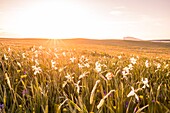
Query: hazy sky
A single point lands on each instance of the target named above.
(101, 19)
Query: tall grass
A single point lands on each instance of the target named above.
(53, 80)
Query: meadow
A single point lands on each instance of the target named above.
(84, 76)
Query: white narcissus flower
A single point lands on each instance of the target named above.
(33, 48)
(98, 67)
(72, 59)
(146, 63)
(119, 57)
(87, 65)
(77, 86)
(130, 66)
(40, 47)
(82, 58)
(36, 69)
(158, 65)
(53, 63)
(125, 71)
(133, 60)
(80, 66)
(109, 76)
(9, 49)
(145, 82)
(36, 53)
(132, 93)
(23, 55)
(69, 77)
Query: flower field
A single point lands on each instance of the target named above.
(42, 79)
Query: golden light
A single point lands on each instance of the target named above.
(50, 19)
(63, 20)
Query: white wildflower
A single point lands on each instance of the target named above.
(132, 93)
(53, 63)
(61, 69)
(23, 55)
(77, 86)
(9, 49)
(86, 59)
(33, 48)
(133, 60)
(109, 76)
(55, 49)
(146, 63)
(98, 67)
(40, 47)
(137, 57)
(80, 66)
(145, 82)
(119, 57)
(130, 66)
(125, 71)
(82, 58)
(36, 53)
(72, 59)
(87, 65)
(36, 69)
(69, 77)
(158, 65)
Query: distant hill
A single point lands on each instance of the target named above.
(131, 38)
(161, 40)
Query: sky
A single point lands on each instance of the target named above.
(96, 19)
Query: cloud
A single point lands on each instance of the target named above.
(1, 29)
(116, 12)
(158, 24)
(119, 7)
